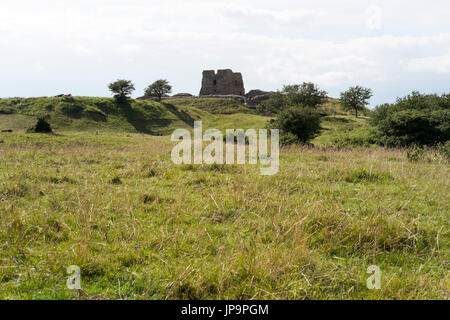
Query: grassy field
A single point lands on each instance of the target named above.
(141, 227)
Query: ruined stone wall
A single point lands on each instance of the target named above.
(224, 82)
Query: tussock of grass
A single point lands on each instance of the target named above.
(59, 180)
(360, 175)
(116, 180)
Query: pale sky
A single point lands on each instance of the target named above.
(49, 47)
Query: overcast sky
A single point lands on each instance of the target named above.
(49, 47)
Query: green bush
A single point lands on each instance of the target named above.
(415, 154)
(271, 106)
(414, 120)
(287, 138)
(306, 94)
(444, 150)
(298, 124)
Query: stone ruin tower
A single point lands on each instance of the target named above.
(224, 82)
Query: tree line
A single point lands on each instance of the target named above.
(122, 89)
(295, 109)
(417, 119)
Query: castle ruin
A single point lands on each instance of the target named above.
(224, 82)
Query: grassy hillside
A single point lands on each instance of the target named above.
(214, 105)
(80, 114)
(333, 107)
(103, 194)
(345, 131)
(137, 116)
(141, 227)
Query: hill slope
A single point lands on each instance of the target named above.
(91, 114)
(84, 114)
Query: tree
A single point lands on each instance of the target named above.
(356, 98)
(158, 89)
(122, 89)
(272, 105)
(300, 122)
(307, 94)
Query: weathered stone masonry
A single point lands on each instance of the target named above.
(224, 82)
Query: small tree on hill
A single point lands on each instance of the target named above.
(356, 99)
(308, 94)
(122, 89)
(158, 89)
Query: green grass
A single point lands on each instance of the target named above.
(214, 105)
(142, 228)
(342, 131)
(332, 107)
(80, 114)
(103, 194)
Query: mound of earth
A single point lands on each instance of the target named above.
(182, 95)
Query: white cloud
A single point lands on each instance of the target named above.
(374, 17)
(270, 43)
(282, 15)
(438, 64)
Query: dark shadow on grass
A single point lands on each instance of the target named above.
(182, 115)
(142, 122)
(340, 120)
(135, 117)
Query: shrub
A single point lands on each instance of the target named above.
(414, 120)
(272, 105)
(415, 154)
(306, 94)
(287, 138)
(42, 126)
(444, 150)
(299, 124)
(408, 127)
